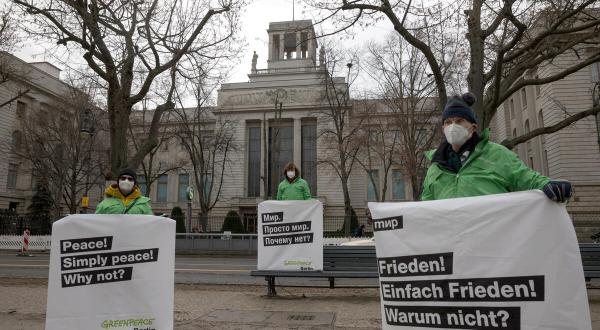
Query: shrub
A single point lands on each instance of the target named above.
(178, 216)
(233, 223)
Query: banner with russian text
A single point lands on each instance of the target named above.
(290, 235)
(507, 261)
(111, 272)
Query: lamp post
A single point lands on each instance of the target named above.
(87, 126)
(347, 217)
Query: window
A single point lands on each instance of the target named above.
(512, 108)
(524, 98)
(276, 47)
(206, 183)
(21, 110)
(527, 130)
(372, 185)
(161, 194)
(304, 44)
(373, 136)
(309, 156)
(421, 137)
(11, 181)
(397, 185)
(531, 163)
(281, 152)
(596, 72)
(16, 140)
(254, 161)
(184, 181)
(289, 40)
(141, 182)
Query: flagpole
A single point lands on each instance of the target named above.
(293, 10)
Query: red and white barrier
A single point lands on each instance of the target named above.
(25, 246)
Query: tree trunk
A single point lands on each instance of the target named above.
(347, 205)
(119, 122)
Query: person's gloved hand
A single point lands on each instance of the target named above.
(558, 191)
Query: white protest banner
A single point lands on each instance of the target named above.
(111, 272)
(290, 235)
(507, 261)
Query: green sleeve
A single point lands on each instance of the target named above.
(426, 194)
(279, 192)
(102, 207)
(522, 177)
(306, 191)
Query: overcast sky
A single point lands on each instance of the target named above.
(255, 23)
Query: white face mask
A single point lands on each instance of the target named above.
(125, 186)
(457, 134)
(291, 174)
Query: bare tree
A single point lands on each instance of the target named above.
(57, 153)
(272, 143)
(339, 136)
(152, 167)
(406, 124)
(131, 41)
(208, 142)
(507, 39)
(8, 70)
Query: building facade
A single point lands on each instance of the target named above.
(280, 115)
(572, 153)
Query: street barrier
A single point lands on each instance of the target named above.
(25, 246)
(15, 242)
(196, 242)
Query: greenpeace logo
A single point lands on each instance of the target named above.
(111, 324)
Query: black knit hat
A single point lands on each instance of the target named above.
(460, 106)
(128, 171)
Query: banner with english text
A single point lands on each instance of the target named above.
(506, 261)
(111, 272)
(290, 235)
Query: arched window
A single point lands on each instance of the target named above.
(527, 126)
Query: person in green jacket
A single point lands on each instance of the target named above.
(467, 164)
(124, 197)
(293, 187)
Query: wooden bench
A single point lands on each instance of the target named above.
(338, 262)
(590, 258)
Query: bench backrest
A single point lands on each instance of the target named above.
(363, 258)
(590, 257)
(349, 258)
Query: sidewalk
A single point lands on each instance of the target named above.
(233, 307)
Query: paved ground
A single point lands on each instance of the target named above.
(199, 306)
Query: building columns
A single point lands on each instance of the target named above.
(298, 142)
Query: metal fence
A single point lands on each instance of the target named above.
(14, 224)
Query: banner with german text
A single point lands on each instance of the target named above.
(507, 261)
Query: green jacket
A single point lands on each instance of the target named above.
(115, 203)
(296, 190)
(490, 169)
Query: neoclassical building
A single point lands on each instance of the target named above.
(278, 116)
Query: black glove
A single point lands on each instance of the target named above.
(558, 191)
